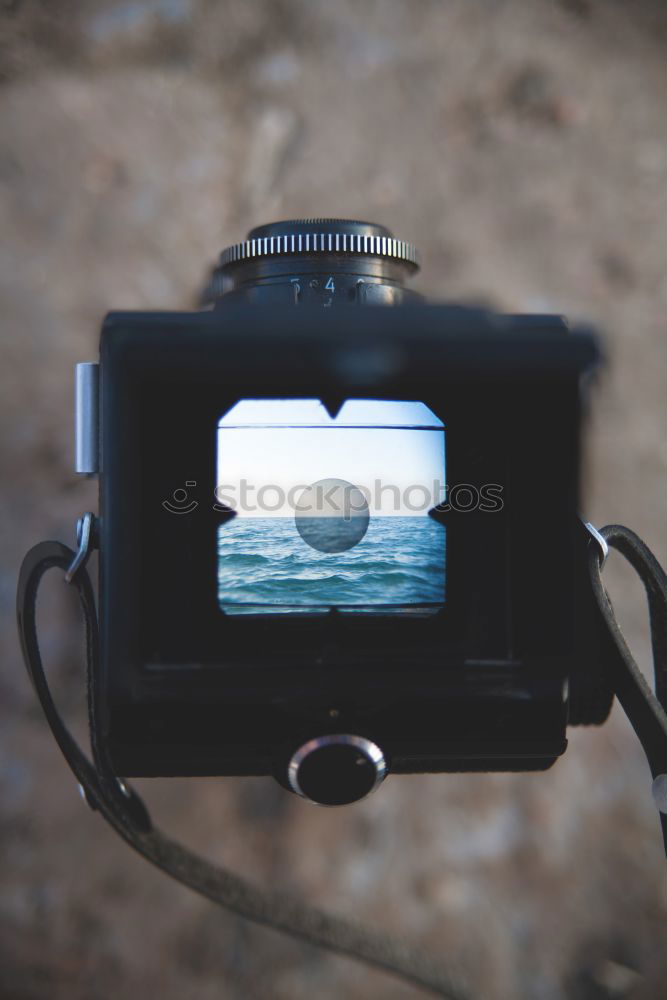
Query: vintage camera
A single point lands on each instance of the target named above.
(338, 528)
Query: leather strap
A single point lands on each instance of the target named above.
(125, 812)
(644, 709)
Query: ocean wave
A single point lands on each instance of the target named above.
(388, 579)
(294, 582)
(400, 561)
(244, 559)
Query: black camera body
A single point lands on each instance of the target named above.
(330, 701)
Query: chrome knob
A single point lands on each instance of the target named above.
(336, 769)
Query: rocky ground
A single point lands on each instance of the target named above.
(523, 146)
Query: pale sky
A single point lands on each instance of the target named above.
(279, 445)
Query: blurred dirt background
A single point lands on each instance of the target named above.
(523, 146)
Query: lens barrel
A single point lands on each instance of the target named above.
(319, 261)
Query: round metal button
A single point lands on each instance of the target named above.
(336, 769)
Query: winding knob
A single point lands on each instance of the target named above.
(337, 769)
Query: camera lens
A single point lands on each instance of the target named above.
(318, 261)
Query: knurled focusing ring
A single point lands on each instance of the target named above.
(346, 237)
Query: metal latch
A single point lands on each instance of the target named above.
(87, 461)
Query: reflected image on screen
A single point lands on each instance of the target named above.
(330, 512)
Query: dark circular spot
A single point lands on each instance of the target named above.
(335, 775)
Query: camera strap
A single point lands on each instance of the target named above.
(644, 708)
(126, 813)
